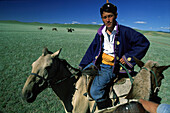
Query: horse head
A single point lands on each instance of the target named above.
(43, 70)
(65, 80)
(155, 74)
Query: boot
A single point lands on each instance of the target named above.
(105, 104)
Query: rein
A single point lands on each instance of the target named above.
(131, 79)
(157, 87)
(59, 81)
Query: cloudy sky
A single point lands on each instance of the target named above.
(140, 14)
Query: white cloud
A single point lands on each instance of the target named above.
(75, 22)
(165, 27)
(140, 22)
(150, 28)
(94, 22)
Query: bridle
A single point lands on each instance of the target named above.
(48, 80)
(39, 76)
(152, 72)
(42, 78)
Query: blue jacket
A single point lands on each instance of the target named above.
(128, 43)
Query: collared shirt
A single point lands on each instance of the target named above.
(123, 49)
(108, 45)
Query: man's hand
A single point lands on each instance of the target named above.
(122, 61)
(149, 106)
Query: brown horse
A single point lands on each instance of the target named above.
(49, 70)
(66, 81)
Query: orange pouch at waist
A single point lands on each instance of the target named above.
(107, 59)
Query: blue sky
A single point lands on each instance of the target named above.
(151, 15)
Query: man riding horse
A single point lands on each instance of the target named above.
(113, 44)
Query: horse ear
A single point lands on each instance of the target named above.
(45, 51)
(56, 54)
(138, 62)
(162, 68)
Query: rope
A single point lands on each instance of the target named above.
(157, 87)
(59, 81)
(131, 79)
(155, 79)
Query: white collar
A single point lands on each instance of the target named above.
(113, 32)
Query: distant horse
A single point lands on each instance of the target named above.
(54, 29)
(70, 29)
(40, 28)
(67, 82)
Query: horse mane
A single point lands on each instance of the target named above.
(73, 71)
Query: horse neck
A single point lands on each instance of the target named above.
(65, 89)
(143, 79)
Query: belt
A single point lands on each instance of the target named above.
(107, 59)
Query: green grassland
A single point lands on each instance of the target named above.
(22, 43)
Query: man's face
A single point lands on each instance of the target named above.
(109, 20)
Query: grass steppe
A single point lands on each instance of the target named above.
(22, 43)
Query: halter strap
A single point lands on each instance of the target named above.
(57, 82)
(38, 76)
(154, 77)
